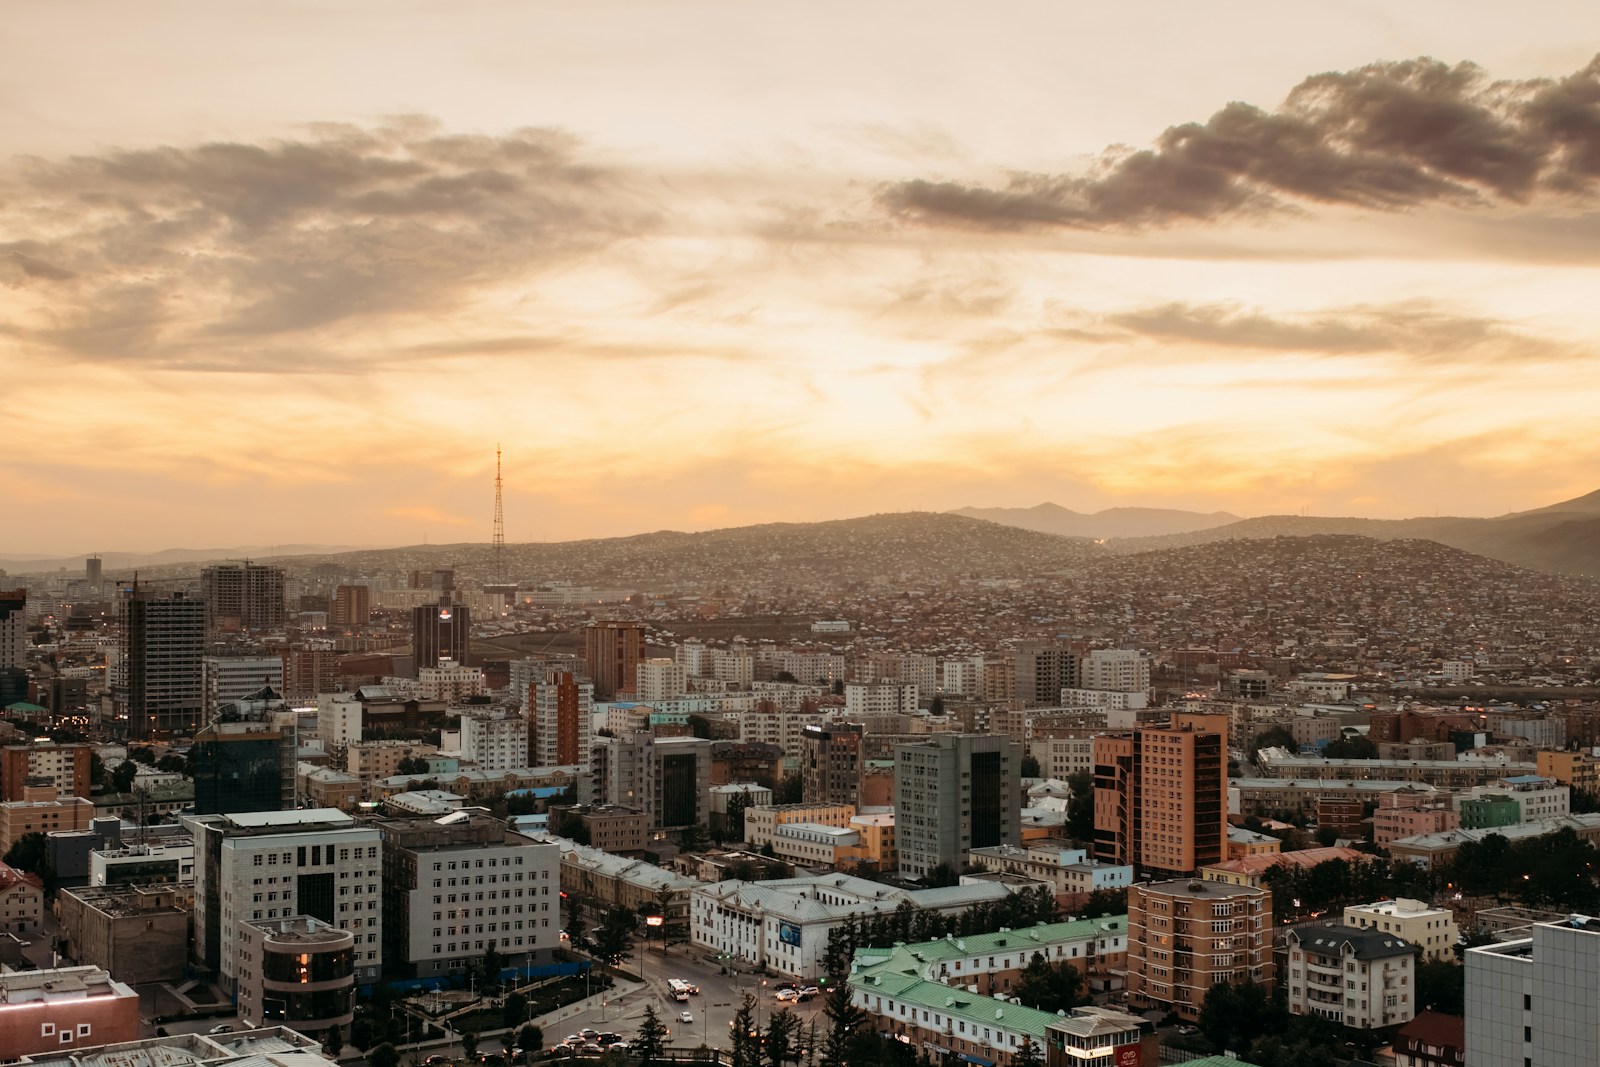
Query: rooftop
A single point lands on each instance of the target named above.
(1364, 943)
(299, 930)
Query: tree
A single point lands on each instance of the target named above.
(28, 853)
(738, 804)
(98, 774)
(1047, 986)
(469, 1043)
(383, 1056)
(942, 875)
(789, 790)
(746, 1040)
(1441, 985)
(614, 939)
(173, 763)
(782, 1030)
(1080, 806)
(493, 963)
(514, 1009)
(650, 1038)
(1274, 737)
(530, 1039)
(577, 932)
(1104, 902)
(412, 765)
(1356, 746)
(1030, 769)
(122, 776)
(843, 1020)
(693, 838)
(1233, 1015)
(143, 754)
(936, 706)
(1327, 836)
(333, 1042)
(1028, 1055)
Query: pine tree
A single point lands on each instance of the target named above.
(651, 1037)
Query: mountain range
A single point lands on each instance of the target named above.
(31, 563)
(1101, 525)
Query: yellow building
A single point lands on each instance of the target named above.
(1242, 843)
(1431, 929)
(1569, 768)
(876, 846)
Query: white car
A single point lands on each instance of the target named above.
(686, 1016)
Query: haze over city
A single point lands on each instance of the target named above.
(289, 274)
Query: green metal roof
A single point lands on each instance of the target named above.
(1027, 937)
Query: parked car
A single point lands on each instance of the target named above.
(589, 1033)
(786, 994)
(618, 1046)
(811, 989)
(222, 1028)
(608, 1038)
(573, 1039)
(436, 1061)
(686, 1016)
(1188, 1030)
(591, 1048)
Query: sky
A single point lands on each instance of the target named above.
(291, 272)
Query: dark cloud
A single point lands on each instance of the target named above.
(1387, 136)
(1418, 331)
(190, 256)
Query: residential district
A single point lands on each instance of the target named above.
(1302, 801)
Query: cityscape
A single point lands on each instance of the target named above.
(773, 535)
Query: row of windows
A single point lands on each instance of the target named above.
(272, 859)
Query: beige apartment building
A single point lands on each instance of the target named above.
(1185, 936)
(1432, 930)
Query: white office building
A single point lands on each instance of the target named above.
(450, 682)
(230, 678)
(1533, 1001)
(1119, 669)
(273, 864)
(338, 720)
(494, 740)
(879, 698)
(659, 679)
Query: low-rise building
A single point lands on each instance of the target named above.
(1252, 870)
(599, 878)
(296, 971)
(1242, 843)
(1184, 936)
(762, 821)
(275, 1046)
(136, 933)
(166, 863)
(993, 963)
(813, 845)
(612, 828)
(1430, 850)
(368, 760)
(1525, 798)
(1066, 868)
(1431, 1039)
(1432, 930)
(875, 843)
(18, 818)
(1361, 978)
(1579, 770)
(1410, 812)
(63, 1009)
(21, 899)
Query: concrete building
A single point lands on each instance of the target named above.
(21, 900)
(1429, 850)
(161, 688)
(1066, 868)
(243, 596)
(460, 884)
(1062, 757)
(1432, 1039)
(1357, 977)
(338, 720)
(136, 933)
(1161, 797)
(230, 678)
(267, 1047)
(244, 760)
(441, 631)
(880, 698)
(167, 862)
(352, 606)
(1576, 769)
(611, 654)
(57, 1011)
(560, 717)
(1531, 1001)
(1409, 812)
(605, 881)
(268, 865)
(669, 778)
(729, 803)
(1445, 774)
(1432, 930)
(494, 739)
(19, 818)
(450, 682)
(830, 763)
(659, 679)
(783, 925)
(611, 827)
(25, 768)
(1120, 670)
(781, 727)
(762, 821)
(1185, 936)
(370, 760)
(296, 971)
(954, 793)
(1524, 798)
(13, 629)
(1037, 674)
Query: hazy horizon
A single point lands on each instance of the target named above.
(290, 274)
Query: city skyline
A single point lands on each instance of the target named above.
(289, 277)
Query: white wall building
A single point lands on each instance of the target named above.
(236, 677)
(784, 727)
(879, 698)
(962, 677)
(338, 720)
(1123, 669)
(494, 740)
(1062, 757)
(1432, 930)
(1360, 978)
(1536, 797)
(1106, 699)
(658, 679)
(1533, 1001)
(143, 864)
(450, 682)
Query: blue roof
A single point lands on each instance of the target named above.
(1526, 779)
(539, 791)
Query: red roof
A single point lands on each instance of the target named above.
(1436, 1028)
(10, 876)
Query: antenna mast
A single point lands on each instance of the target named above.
(499, 523)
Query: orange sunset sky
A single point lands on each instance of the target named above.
(288, 272)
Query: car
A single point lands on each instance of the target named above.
(221, 1028)
(803, 997)
(686, 1016)
(573, 1039)
(589, 1033)
(559, 1050)
(491, 1059)
(785, 985)
(813, 990)
(436, 1061)
(618, 1046)
(608, 1038)
(1188, 1030)
(786, 994)
(591, 1048)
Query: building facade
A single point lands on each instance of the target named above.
(1532, 1000)
(560, 717)
(58, 1011)
(65, 766)
(1358, 977)
(297, 971)
(954, 793)
(1186, 936)
(136, 933)
(611, 653)
(1161, 798)
(162, 646)
(1432, 930)
(830, 763)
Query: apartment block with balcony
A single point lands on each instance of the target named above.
(1186, 936)
(1357, 977)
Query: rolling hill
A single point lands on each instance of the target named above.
(1112, 522)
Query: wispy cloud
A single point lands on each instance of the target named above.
(1387, 136)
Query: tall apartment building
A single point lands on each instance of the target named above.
(1185, 936)
(659, 679)
(611, 652)
(1161, 798)
(308, 672)
(494, 740)
(456, 886)
(275, 864)
(954, 793)
(668, 778)
(962, 677)
(1532, 1001)
(830, 763)
(13, 629)
(450, 681)
(1357, 977)
(230, 678)
(243, 596)
(1042, 670)
(441, 631)
(64, 767)
(880, 698)
(163, 678)
(245, 759)
(560, 716)
(1119, 670)
(352, 605)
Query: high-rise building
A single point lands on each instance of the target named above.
(658, 679)
(560, 712)
(440, 631)
(94, 571)
(243, 596)
(163, 677)
(1186, 936)
(493, 739)
(424, 859)
(1161, 797)
(668, 778)
(64, 767)
(611, 652)
(1121, 670)
(352, 605)
(862, 699)
(953, 793)
(13, 629)
(1042, 671)
(245, 759)
(1532, 1001)
(830, 763)
(230, 678)
(275, 864)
